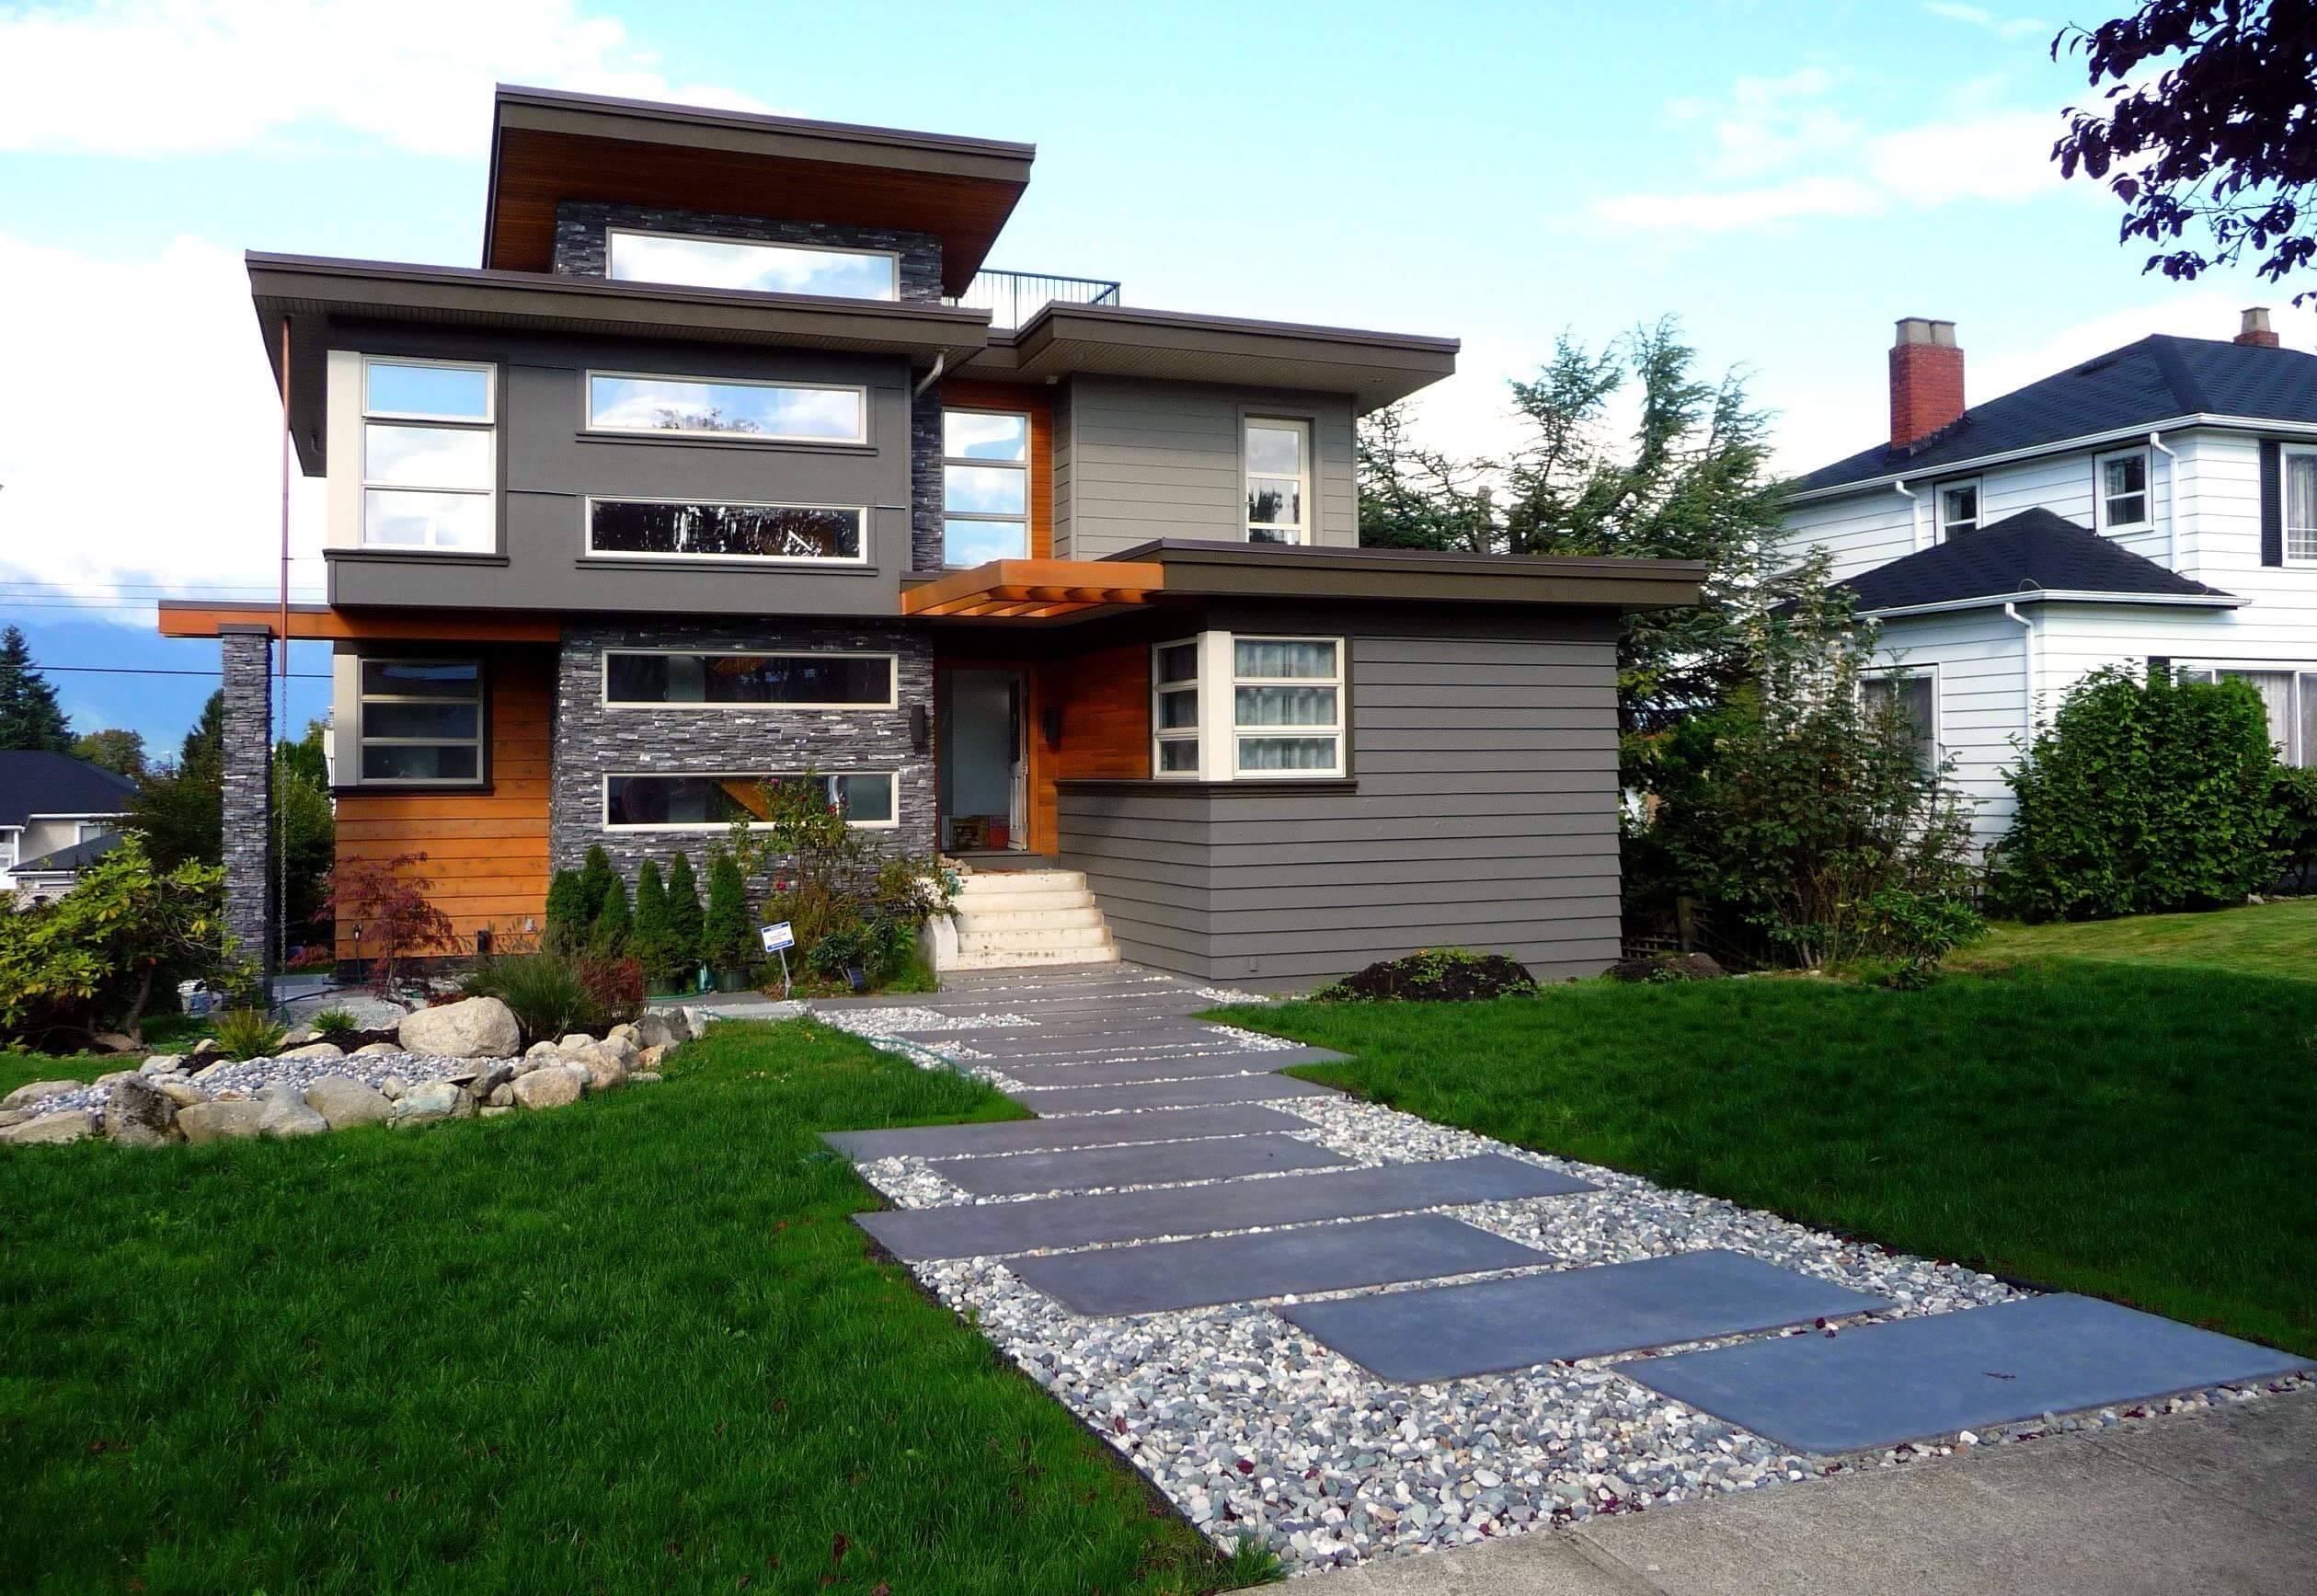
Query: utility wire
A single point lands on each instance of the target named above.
(158, 670)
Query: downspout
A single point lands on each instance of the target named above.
(1914, 511)
(2171, 498)
(2026, 662)
(941, 363)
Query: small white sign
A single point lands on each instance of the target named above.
(776, 936)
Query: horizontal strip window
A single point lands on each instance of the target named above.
(419, 722)
(712, 803)
(686, 406)
(428, 456)
(755, 267)
(671, 529)
(654, 680)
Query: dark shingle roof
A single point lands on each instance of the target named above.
(2027, 554)
(2157, 379)
(56, 783)
(79, 856)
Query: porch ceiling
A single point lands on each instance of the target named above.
(1034, 589)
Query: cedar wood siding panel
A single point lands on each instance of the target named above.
(1141, 460)
(486, 851)
(1483, 814)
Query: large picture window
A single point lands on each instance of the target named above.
(1278, 455)
(1227, 708)
(668, 529)
(428, 456)
(2288, 700)
(655, 679)
(985, 487)
(712, 803)
(421, 721)
(698, 408)
(757, 268)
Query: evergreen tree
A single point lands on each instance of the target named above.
(683, 917)
(29, 716)
(596, 879)
(566, 924)
(205, 745)
(652, 943)
(613, 934)
(729, 941)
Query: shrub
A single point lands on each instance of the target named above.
(846, 908)
(246, 1033)
(2294, 801)
(547, 989)
(1435, 975)
(566, 921)
(1918, 930)
(334, 1023)
(728, 940)
(654, 939)
(615, 989)
(2141, 796)
(384, 902)
(596, 880)
(683, 917)
(614, 927)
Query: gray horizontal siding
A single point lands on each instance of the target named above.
(1483, 813)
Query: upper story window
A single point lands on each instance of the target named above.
(2121, 482)
(985, 485)
(1236, 707)
(1958, 508)
(700, 407)
(701, 529)
(1278, 457)
(429, 454)
(693, 262)
(419, 721)
(2300, 507)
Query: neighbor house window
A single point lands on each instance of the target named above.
(669, 529)
(1230, 707)
(655, 677)
(985, 487)
(421, 721)
(2123, 491)
(2300, 506)
(687, 407)
(758, 268)
(1914, 695)
(1278, 458)
(2288, 700)
(428, 466)
(712, 803)
(1958, 508)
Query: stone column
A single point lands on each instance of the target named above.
(249, 881)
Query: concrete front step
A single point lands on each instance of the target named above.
(1021, 881)
(977, 918)
(1011, 918)
(973, 939)
(1012, 902)
(1015, 958)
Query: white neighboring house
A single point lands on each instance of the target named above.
(2154, 507)
(58, 814)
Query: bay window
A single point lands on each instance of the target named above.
(428, 461)
(1231, 707)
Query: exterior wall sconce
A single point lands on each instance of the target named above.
(921, 728)
(1050, 725)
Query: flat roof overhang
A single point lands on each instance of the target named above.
(1174, 570)
(548, 146)
(309, 292)
(191, 618)
(1376, 367)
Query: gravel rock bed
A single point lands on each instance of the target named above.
(900, 1020)
(249, 1076)
(1254, 1428)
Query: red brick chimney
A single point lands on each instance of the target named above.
(2255, 328)
(1926, 379)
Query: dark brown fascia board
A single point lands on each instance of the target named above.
(310, 291)
(1199, 569)
(1375, 368)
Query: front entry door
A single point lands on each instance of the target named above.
(981, 762)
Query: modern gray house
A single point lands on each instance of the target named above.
(733, 461)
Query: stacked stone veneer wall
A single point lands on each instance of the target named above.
(592, 741)
(925, 480)
(583, 238)
(249, 795)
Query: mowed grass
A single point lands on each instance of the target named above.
(2132, 1130)
(631, 1345)
(2276, 938)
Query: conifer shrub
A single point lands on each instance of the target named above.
(684, 917)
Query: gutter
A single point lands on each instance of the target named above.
(2134, 433)
(2062, 596)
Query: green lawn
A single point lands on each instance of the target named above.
(633, 1345)
(2118, 1121)
(2278, 938)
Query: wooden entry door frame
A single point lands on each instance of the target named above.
(1033, 782)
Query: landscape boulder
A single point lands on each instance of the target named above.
(65, 1125)
(376, 1051)
(35, 1092)
(345, 1101)
(179, 1090)
(285, 1113)
(219, 1121)
(138, 1114)
(551, 1086)
(604, 1063)
(113, 1042)
(163, 1064)
(314, 1051)
(572, 1040)
(474, 1028)
(207, 1046)
(433, 1100)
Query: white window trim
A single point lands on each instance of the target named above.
(481, 740)
(1023, 466)
(2100, 493)
(890, 701)
(1308, 525)
(612, 235)
(1939, 504)
(588, 550)
(487, 425)
(2285, 453)
(2304, 675)
(1217, 691)
(1938, 702)
(789, 440)
(891, 779)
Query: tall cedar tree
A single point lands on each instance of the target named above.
(566, 922)
(613, 933)
(684, 916)
(652, 943)
(2206, 122)
(728, 940)
(29, 719)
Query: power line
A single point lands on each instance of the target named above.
(159, 671)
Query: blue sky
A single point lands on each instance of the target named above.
(1786, 178)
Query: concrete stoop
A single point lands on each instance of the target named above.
(1010, 919)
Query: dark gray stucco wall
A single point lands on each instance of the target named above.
(592, 740)
(1481, 812)
(583, 247)
(248, 792)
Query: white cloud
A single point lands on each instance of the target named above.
(1980, 16)
(150, 77)
(1730, 210)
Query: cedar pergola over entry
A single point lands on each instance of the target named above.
(1034, 589)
